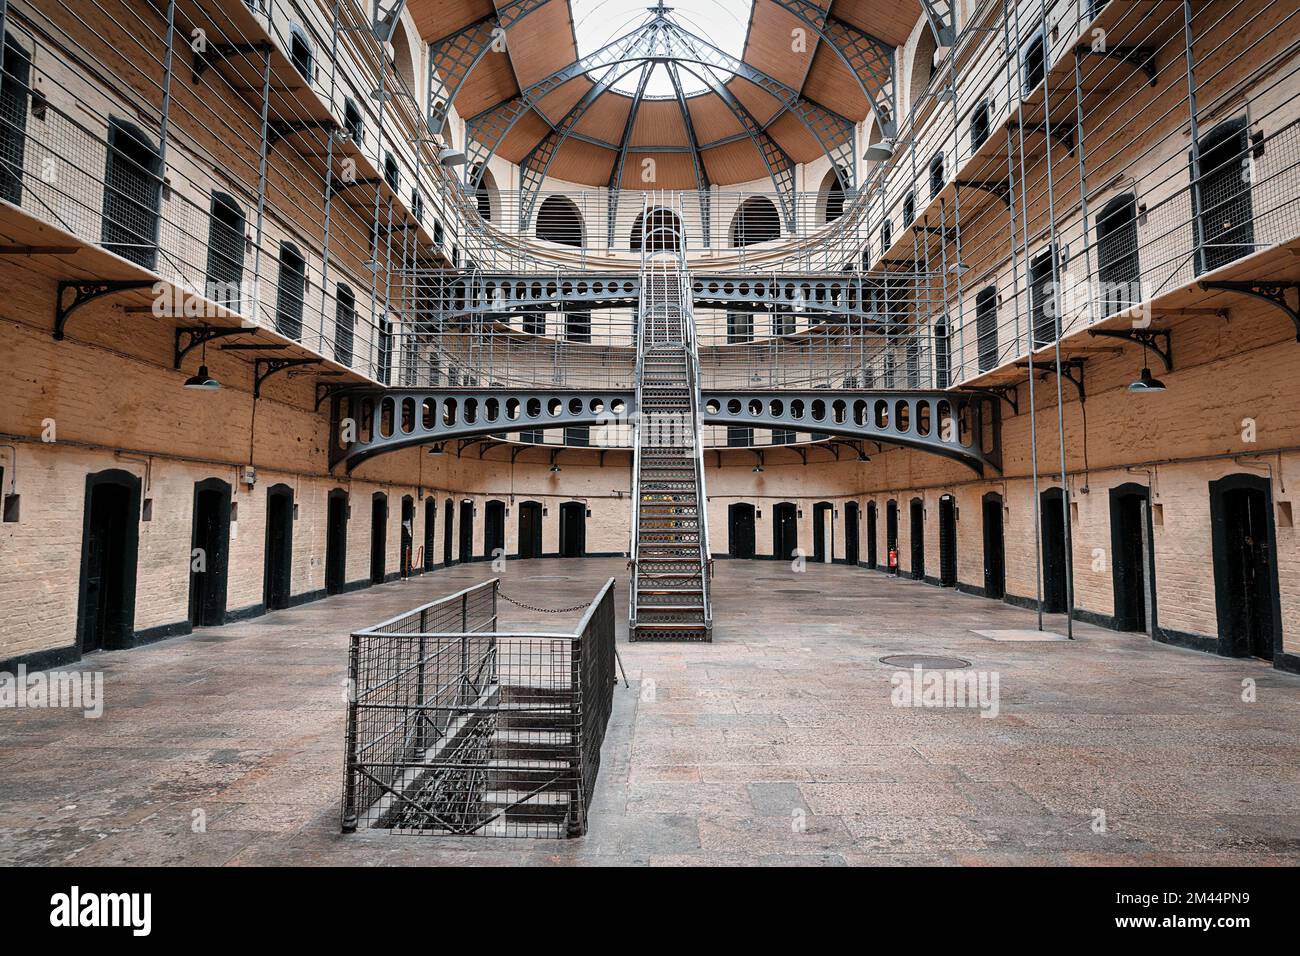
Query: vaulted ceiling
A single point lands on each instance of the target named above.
(534, 101)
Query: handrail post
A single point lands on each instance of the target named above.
(350, 757)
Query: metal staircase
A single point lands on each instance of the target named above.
(670, 563)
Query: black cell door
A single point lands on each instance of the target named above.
(110, 540)
(1053, 534)
(209, 553)
(821, 513)
(494, 529)
(279, 547)
(466, 531)
(378, 538)
(1245, 567)
(995, 559)
(530, 530)
(948, 541)
(13, 120)
(917, 534)
(873, 558)
(430, 531)
(336, 542)
(1226, 226)
(740, 530)
(1130, 561)
(785, 531)
(891, 536)
(408, 535)
(132, 193)
(851, 532)
(573, 529)
(448, 538)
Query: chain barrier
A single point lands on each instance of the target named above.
(542, 610)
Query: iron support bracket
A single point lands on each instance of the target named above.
(1273, 293)
(1071, 371)
(86, 291)
(189, 339)
(1146, 338)
(265, 368)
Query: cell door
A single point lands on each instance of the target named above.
(210, 547)
(378, 538)
(336, 543)
(279, 547)
(873, 558)
(573, 530)
(109, 547)
(448, 521)
(530, 530)
(785, 531)
(408, 535)
(740, 530)
(1245, 568)
(917, 534)
(1052, 521)
(494, 528)
(430, 532)
(466, 531)
(822, 512)
(891, 536)
(947, 542)
(995, 562)
(851, 532)
(1130, 558)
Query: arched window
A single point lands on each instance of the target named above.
(1117, 254)
(132, 194)
(831, 196)
(402, 61)
(353, 122)
(300, 53)
(1035, 61)
(662, 231)
(1225, 228)
(936, 174)
(558, 220)
(13, 119)
(942, 353)
(1042, 287)
(922, 66)
(345, 321)
(909, 208)
(986, 327)
(290, 292)
(979, 125)
(755, 221)
(391, 174)
(225, 251)
(886, 236)
(485, 195)
(417, 205)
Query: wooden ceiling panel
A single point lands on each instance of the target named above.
(712, 119)
(659, 123)
(793, 137)
(579, 162)
(560, 100)
(737, 162)
(670, 171)
(761, 104)
(890, 20)
(492, 82)
(542, 43)
(606, 118)
(526, 134)
(831, 84)
(436, 19)
(771, 41)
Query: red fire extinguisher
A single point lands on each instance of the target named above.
(893, 559)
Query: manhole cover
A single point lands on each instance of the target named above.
(925, 662)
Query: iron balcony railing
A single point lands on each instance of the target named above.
(455, 727)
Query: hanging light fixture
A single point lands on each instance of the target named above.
(879, 152)
(1147, 384)
(201, 380)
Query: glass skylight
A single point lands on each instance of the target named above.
(723, 23)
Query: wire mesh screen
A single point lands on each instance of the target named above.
(457, 729)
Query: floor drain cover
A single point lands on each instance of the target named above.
(925, 661)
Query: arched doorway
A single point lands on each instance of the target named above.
(530, 529)
(336, 542)
(873, 557)
(740, 530)
(378, 537)
(995, 561)
(277, 573)
(494, 529)
(891, 536)
(851, 532)
(947, 541)
(1132, 566)
(109, 548)
(785, 530)
(1052, 519)
(1245, 567)
(466, 549)
(209, 552)
(573, 529)
(659, 230)
(430, 532)
(407, 556)
(448, 522)
(916, 532)
(823, 532)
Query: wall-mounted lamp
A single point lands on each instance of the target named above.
(879, 152)
(201, 380)
(451, 157)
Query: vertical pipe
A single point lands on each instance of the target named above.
(263, 148)
(329, 183)
(164, 123)
(1194, 129)
(351, 770)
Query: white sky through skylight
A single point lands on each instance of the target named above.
(723, 23)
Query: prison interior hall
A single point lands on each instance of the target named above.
(626, 402)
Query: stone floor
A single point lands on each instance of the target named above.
(778, 743)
